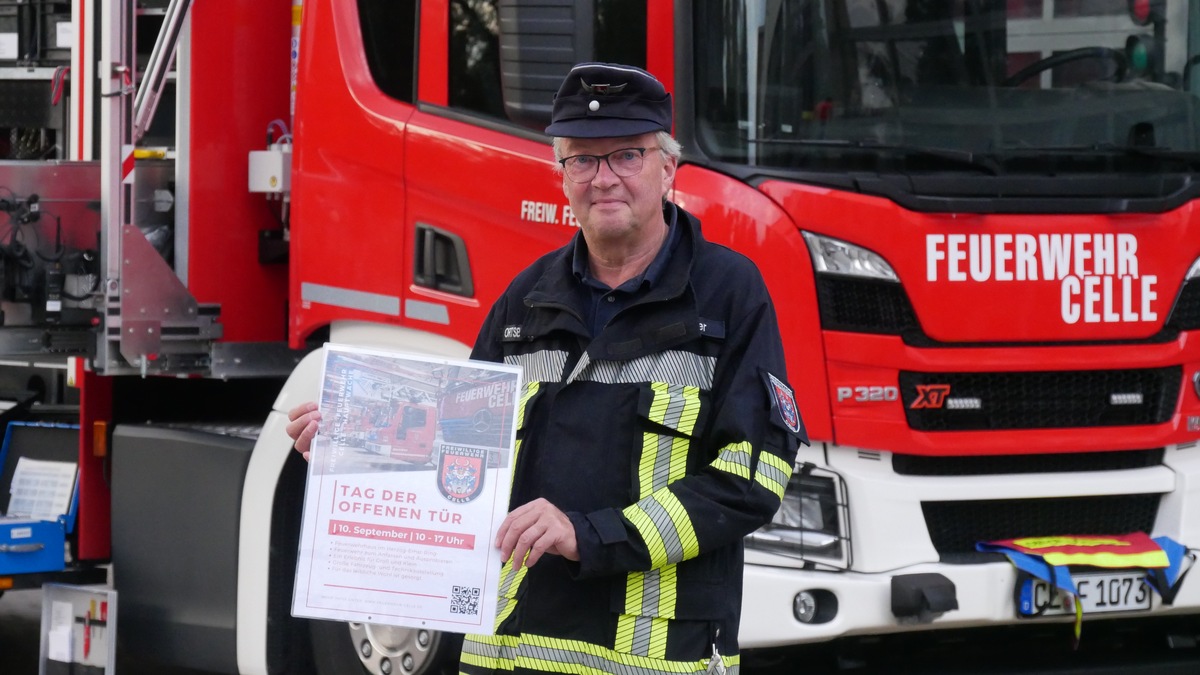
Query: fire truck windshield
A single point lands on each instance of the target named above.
(989, 86)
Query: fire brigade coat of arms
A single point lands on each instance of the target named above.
(461, 472)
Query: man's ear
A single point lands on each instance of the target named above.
(669, 167)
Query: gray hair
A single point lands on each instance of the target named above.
(668, 146)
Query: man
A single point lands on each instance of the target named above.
(655, 426)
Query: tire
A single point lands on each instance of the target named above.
(341, 648)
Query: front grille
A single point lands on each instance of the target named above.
(1068, 462)
(883, 308)
(1037, 400)
(864, 306)
(955, 527)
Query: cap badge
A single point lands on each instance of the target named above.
(602, 89)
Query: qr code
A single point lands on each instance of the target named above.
(464, 600)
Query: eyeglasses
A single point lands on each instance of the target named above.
(624, 162)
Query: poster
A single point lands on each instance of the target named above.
(408, 482)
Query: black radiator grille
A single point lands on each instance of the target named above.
(883, 308)
(955, 527)
(1038, 400)
(864, 306)
(992, 465)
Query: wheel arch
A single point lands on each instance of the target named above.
(272, 500)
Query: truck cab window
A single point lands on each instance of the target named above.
(542, 43)
(791, 85)
(389, 30)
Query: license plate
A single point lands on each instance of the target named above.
(1107, 592)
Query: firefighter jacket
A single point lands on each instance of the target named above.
(666, 439)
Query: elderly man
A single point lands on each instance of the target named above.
(656, 428)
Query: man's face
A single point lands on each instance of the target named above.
(619, 208)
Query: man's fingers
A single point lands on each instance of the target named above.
(530, 545)
(302, 418)
(302, 426)
(509, 538)
(302, 409)
(534, 529)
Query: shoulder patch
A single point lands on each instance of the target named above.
(783, 406)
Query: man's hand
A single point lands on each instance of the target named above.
(302, 426)
(536, 528)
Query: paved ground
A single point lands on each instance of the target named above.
(1115, 652)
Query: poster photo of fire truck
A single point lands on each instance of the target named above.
(402, 412)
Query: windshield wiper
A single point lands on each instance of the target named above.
(975, 160)
(1110, 149)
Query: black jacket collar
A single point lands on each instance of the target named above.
(632, 333)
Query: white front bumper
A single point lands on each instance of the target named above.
(889, 538)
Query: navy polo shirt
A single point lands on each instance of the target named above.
(599, 302)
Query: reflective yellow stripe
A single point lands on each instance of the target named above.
(642, 635)
(553, 655)
(652, 593)
(664, 461)
(653, 540)
(665, 527)
(675, 406)
(664, 456)
(531, 388)
(648, 595)
(1146, 559)
(773, 473)
(735, 459)
(510, 580)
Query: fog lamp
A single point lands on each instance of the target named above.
(804, 606)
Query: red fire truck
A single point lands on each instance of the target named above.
(978, 221)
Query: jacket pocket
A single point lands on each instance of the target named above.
(670, 592)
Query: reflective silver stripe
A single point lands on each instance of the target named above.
(735, 459)
(662, 462)
(427, 311)
(580, 367)
(771, 476)
(510, 576)
(542, 366)
(652, 590)
(349, 298)
(557, 655)
(676, 407)
(673, 367)
(494, 649)
(665, 526)
(595, 662)
(676, 404)
(641, 634)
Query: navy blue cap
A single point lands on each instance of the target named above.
(605, 100)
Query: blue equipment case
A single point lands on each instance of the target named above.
(36, 545)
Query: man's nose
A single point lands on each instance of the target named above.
(604, 174)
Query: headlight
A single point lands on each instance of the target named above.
(812, 522)
(834, 256)
(1194, 270)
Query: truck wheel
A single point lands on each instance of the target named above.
(341, 648)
